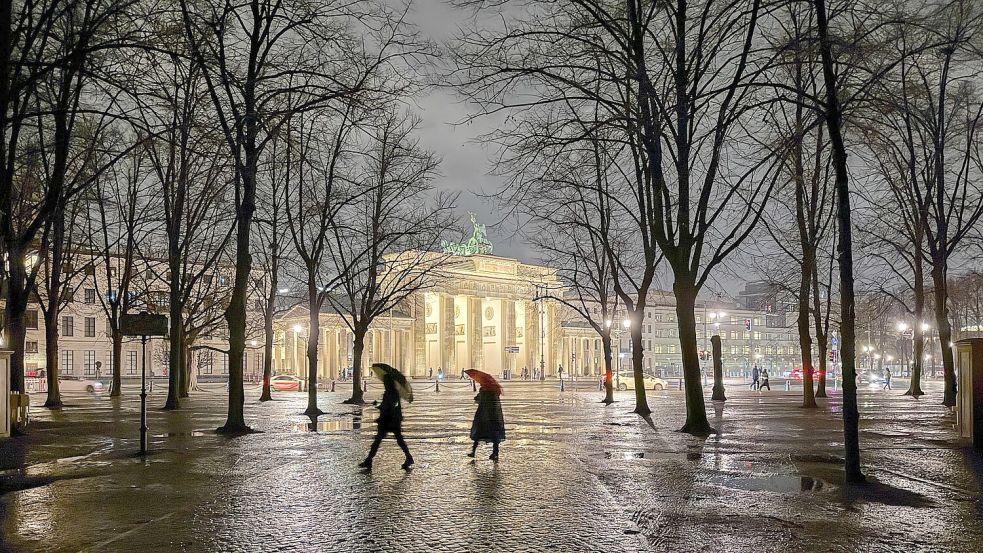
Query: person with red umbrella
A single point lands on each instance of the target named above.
(489, 423)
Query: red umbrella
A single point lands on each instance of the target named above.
(485, 380)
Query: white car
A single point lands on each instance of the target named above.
(78, 384)
(627, 382)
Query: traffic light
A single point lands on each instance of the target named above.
(747, 325)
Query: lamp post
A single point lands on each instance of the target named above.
(540, 296)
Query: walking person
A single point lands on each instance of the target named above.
(887, 379)
(755, 374)
(390, 412)
(489, 423)
(764, 380)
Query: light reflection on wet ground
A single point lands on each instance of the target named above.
(574, 476)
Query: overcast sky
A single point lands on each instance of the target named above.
(466, 164)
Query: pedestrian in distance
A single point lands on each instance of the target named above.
(755, 375)
(390, 418)
(764, 380)
(887, 379)
(489, 423)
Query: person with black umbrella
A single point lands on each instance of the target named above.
(390, 418)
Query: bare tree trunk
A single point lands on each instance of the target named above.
(608, 373)
(851, 414)
(53, 401)
(822, 332)
(267, 354)
(184, 369)
(637, 355)
(117, 368)
(718, 370)
(268, 328)
(18, 293)
(313, 339)
(696, 415)
(805, 334)
(235, 314)
(918, 336)
(357, 349)
(941, 292)
(176, 352)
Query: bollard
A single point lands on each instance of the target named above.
(436, 384)
(474, 386)
(561, 384)
(332, 385)
(680, 384)
(788, 385)
(365, 386)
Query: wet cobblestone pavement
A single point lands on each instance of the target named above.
(574, 476)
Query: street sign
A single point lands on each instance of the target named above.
(511, 349)
(747, 325)
(143, 324)
(835, 342)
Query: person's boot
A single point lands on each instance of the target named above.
(366, 464)
(408, 462)
(474, 448)
(494, 455)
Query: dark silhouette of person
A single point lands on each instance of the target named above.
(390, 420)
(755, 374)
(764, 380)
(489, 423)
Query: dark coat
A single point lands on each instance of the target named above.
(489, 423)
(390, 411)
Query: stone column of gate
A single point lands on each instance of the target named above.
(297, 359)
(509, 334)
(476, 334)
(447, 353)
(532, 337)
(418, 334)
(341, 354)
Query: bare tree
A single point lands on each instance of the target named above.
(690, 71)
(569, 214)
(47, 67)
(384, 238)
(316, 169)
(118, 220)
(263, 62)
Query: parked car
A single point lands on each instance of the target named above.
(285, 383)
(627, 382)
(67, 383)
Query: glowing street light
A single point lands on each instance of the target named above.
(298, 328)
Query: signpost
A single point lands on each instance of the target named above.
(143, 324)
(510, 350)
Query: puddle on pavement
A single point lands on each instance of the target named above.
(193, 433)
(774, 483)
(624, 454)
(327, 425)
